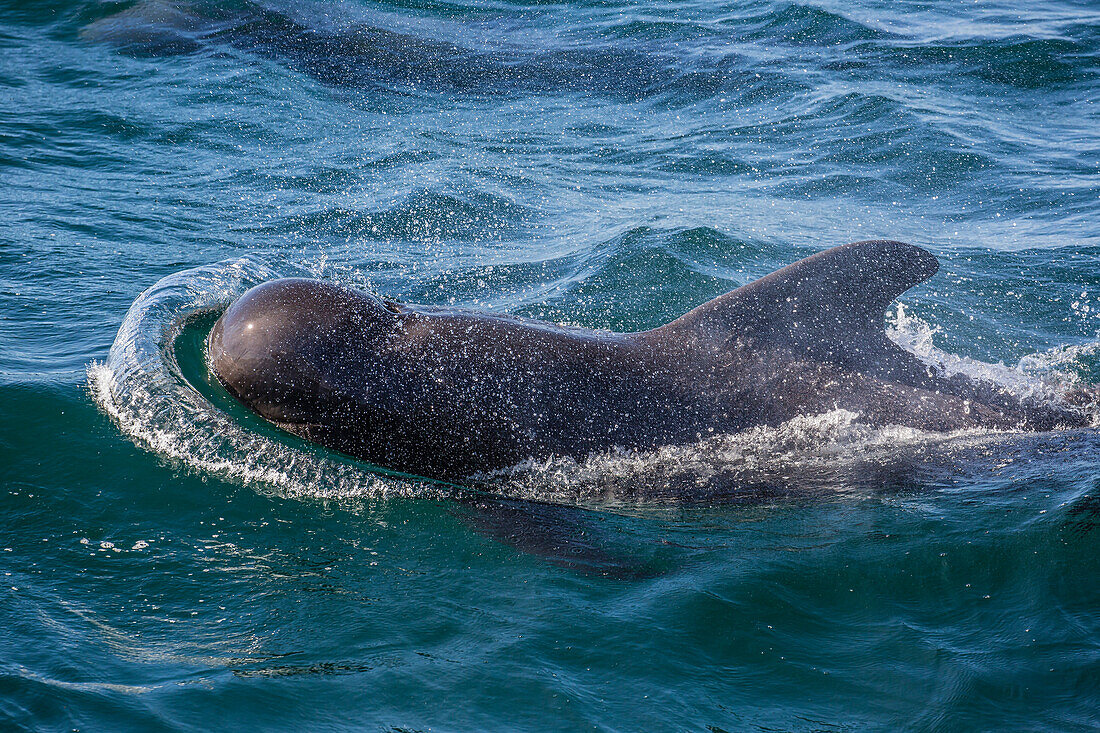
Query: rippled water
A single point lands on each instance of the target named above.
(172, 562)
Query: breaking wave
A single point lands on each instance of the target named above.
(180, 413)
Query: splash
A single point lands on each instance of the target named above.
(1058, 376)
(142, 387)
(810, 454)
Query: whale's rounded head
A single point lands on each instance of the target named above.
(282, 347)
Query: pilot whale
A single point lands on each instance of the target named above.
(449, 393)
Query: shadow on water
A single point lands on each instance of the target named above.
(582, 541)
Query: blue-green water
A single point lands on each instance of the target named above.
(171, 563)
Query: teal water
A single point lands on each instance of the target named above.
(172, 563)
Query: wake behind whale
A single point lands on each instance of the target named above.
(447, 393)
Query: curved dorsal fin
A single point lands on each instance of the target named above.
(821, 305)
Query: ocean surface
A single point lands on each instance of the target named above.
(172, 563)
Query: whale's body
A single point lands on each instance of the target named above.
(447, 393)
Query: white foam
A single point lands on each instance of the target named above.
(809, 453)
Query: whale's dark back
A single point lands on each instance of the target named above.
(446, 393)
(433, 391)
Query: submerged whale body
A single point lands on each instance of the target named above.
(447, 393)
